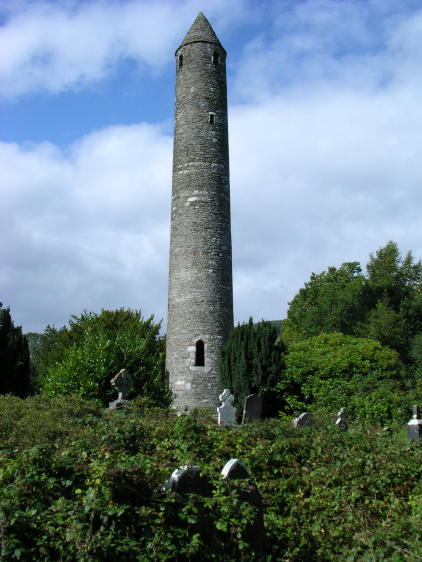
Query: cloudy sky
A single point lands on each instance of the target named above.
(325, 119)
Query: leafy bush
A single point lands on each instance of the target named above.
(96, 346)
(329, 371)
(93, 493)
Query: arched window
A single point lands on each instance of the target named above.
(199, 354)
(216, 58)
(180, 61)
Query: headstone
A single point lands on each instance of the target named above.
(303, 420)
(188, 480)
(414, 427)
(254, 529)
(226, 412)
(122, 382)
(252, 408)
(342, 421)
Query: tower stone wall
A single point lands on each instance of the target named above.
(200, 306)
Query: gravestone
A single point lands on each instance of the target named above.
(122, 382)
(304, 420)
(252, 408)
(248, 492)
(226, 412)
(414, 427)
(342, 421)
(188, 480)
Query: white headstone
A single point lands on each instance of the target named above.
(226, 412)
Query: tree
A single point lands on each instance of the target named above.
(250, 363)
(385, 305)
(95, 347)
(331, 301)
(14, 357)
(330, 371)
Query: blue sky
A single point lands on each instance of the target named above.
(325, 141)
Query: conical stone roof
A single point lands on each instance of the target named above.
(201, 31)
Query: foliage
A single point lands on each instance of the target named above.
(331, 301)
(329, 371)
(250, 363)
(92, 491)
(82, 359)
(14, 357)
(386, 305)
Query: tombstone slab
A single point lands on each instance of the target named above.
(254, 534)
(342, 421)
(188, 480)
(226, 412)
(414, 427)
(304, 420)
(252, 409)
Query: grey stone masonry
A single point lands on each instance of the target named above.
(200, 305)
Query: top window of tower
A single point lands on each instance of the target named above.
(180, 61)
(216, 58)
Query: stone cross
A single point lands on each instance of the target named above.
(248, 492)
(252, 408)
(342, 421)
(303, 420)
(226, 412)
(414, 427)
(122, 382)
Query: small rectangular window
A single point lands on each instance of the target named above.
(199, 354)
(180, 61)
(211, 117)
(216, 58)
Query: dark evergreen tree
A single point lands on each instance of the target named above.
(250, 364)
(14, 357)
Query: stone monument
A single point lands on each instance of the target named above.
(122, 382)
(414, 427)
(200, 298)
(342, 420)
(226, 413)
(304, 420)
(252, 409)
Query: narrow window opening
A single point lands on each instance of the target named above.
(216, 58)
(180, 61)
(199, 354)
(211, 117)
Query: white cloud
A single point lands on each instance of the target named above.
(48, 46)
(87, 228)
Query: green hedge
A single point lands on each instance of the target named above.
(85, 485)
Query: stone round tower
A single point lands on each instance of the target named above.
(200, 306)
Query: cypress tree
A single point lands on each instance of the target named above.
(251, 362)
(14, 357)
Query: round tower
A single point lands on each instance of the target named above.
(200, 306)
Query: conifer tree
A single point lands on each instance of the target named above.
(250, 364)
(14, 357)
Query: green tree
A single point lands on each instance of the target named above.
(250, 363)
(331, 301)
(385, 305)
(95, 347)
(14, 357)
(330, 371)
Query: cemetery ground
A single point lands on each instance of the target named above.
(79, 482)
